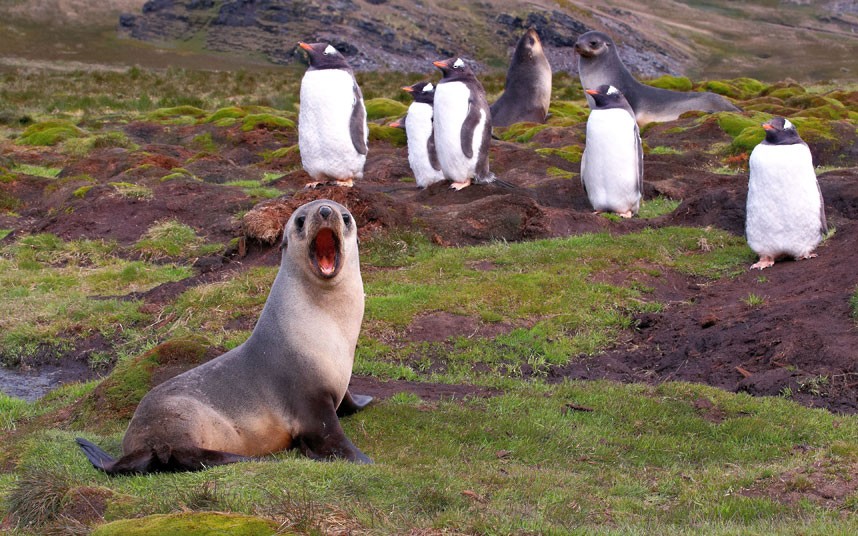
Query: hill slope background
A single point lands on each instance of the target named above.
(713, 39)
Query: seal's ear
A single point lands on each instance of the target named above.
(284, 242)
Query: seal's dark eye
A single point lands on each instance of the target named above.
(299, 222)
(594, 44)
(347, 219)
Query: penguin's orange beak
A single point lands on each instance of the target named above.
(408, 89)
(591, 91)
(439, 63)
(305, 46)
(767, 126)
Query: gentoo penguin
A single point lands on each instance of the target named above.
(785, 215)
(462, 125)
(527, 91)
(421, 141)
(332, 131)
(599, 64)
(612, 163)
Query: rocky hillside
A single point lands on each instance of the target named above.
(724, 38)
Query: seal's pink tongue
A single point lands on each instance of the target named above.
(326, 251)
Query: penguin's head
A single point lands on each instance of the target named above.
(454, 68)
(593, 44)
(606, 97)
(324, 56)
(421, 91)
(780, 131)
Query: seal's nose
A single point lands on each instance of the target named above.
(325, 211)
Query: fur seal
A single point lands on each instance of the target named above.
(599, 64)
(285, 386)
(462, 125)
(527, 90)
(785, 213)
(332, 131)
(612, 163)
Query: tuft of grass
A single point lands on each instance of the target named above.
(173, 239)
(267, 121)
(753, 300)
(84, 145)
(657, 206)
(38, 496)
(661, 149)
(130, 190)
(37, 171)
(853, 304)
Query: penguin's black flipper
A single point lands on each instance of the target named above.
(357, 122)
(468, 128)
(97, 457)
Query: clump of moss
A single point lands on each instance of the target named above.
(50, 132)
(382, 107)
(395, 136)
(737, 88)
(82, 146)
(747, 139)
(521, 132)
(784, 90)
(266, 120)
(735, 123)
(230, 112)
(565, 110)
(82, 191)
(191, 524)
(176, 111)
(675, 83)
(571, 153)
(8, 202)
(204, 142)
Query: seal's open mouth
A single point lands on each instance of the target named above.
(325, 252)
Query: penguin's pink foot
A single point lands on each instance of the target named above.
(764, 262)
(627, 214)
(311, 185)
(348, 183)
(808, 256)
(459, 185)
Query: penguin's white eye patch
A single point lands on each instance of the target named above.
(612, 90)
(788, 125)
(428, 87)
(330, 50)
(458, 64)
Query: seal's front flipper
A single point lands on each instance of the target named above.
(352, 404)
(326, 440)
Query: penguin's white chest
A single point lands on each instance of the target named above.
(451, 110)
(784, 207)
(324, 125)
(418, 128)
(610, 166)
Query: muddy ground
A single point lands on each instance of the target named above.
(800, 342)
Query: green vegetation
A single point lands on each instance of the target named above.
(173, 239)
(523, 454)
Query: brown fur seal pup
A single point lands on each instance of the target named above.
(281, 388)
(599, 64)
(527, 91)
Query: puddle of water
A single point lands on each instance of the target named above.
(29, 386)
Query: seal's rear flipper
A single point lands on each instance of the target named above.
(161, 460)
(352, 404)
(97, 457)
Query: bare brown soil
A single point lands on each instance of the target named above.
(801, 341)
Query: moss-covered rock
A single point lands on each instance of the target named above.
(734, 124)
(50, 132)
(266, 120)
(784, 90)
(230, 112)
(189, 524)
(382, 107)
(565, 113)
(571, 153)
(521, 132)
(393, 135)
(675, 83)
(746, 88)
(176, 111)
(747, 139)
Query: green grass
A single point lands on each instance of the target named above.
(643, 461)
(37, 171)
(657, 206)
(52, 290)
(172, 239)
